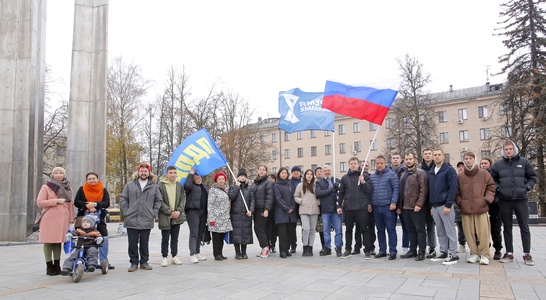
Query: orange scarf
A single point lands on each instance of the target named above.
(93, 192)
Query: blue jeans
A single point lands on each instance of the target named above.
(385, 219)
(103, 250)
(329, 220)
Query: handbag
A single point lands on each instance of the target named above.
(37, 219)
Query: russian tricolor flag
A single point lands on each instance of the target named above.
(369, 102)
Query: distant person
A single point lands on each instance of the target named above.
(306, 196)
(171, 215)
(242, 206)
(196, 213)
(55, 199)
(218, 218)
(515, 177)
(140, 201)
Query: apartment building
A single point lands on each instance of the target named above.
(465, 120)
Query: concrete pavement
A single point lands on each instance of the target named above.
(23, 276)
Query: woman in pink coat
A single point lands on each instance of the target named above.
(55, 199)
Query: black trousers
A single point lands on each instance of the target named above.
(360, 219)
(460, 233)
(271, 230)
(171, 233)
(260, 226)
(496, 224)
(521, 210)
(415, 223)
(287, 233)
(139, 240)
(196, 222)
(217, 243)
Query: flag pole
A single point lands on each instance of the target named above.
(368, 154)
(240, 192)
(334, 154)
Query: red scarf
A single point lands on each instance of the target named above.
(93, 192)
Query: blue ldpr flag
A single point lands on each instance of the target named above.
(197, 151)
(303, 111)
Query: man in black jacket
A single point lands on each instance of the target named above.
(515, 177)
(330, 210)
(426, 165)
(354, 193)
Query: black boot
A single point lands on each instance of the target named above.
(50, 270)
(304, 253)
(309, 250)
(243, 251)
(57, 266)
(238, 251)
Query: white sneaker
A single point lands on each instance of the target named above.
(164, 262)
(405, 250)
(474, 258)
(484, 260)
(461, 249)
(176, 260)
(265, 252)
(200, 257)
(193, 259)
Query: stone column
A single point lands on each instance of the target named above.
(22, 78)
(86, 142)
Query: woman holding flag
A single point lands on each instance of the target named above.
(218, 218)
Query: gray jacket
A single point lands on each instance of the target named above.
(140, 207)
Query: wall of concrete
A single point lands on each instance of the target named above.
(86, 143)
(22, 77)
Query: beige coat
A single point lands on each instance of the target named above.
(55, 217)
(309, 204)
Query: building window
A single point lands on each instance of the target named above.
(287, 153)
(274, 155)
(372, 126)
(300, 152)
(388, 123)
(463, 136)
(313, 167)
(299, 135)
(286, 136)
(341, 129)
(502, 109)
(327, 133)
(485, 153)
(406, 122)
(447, 158)
(506, 131)
(262, 139)
(482, 112)
(373, 144)
(442, 116)
(343, 166)
(274, 138)
(313, 134)
(357, 147)
(356, 127)
(462, 114)
(390, 143)
(327, 149)
(274, 170)
(444, 138)
(313, 150)
(372, 164)
(342, 148)
(484, 134)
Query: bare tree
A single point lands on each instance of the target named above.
(126, 88)
(411, 122)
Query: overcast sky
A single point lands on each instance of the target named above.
(258, 48)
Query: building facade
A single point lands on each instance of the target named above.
(466, 120)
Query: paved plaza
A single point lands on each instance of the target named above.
(23, 276)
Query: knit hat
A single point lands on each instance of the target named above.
(145, 165)
(218, 175)
(242, 172)
(90, 219)
(295, 168)
(58, 169)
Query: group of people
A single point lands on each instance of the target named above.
(424, 196)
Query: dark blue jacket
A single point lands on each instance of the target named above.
(514, 176)
(353, 195)
(443, 186)
(386, 187)
(284, 200)
(327, 196)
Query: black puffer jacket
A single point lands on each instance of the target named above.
(355, 196)
(242, 224)
(261, 193)
(514, 176)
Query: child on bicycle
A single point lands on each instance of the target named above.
(89, 230)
